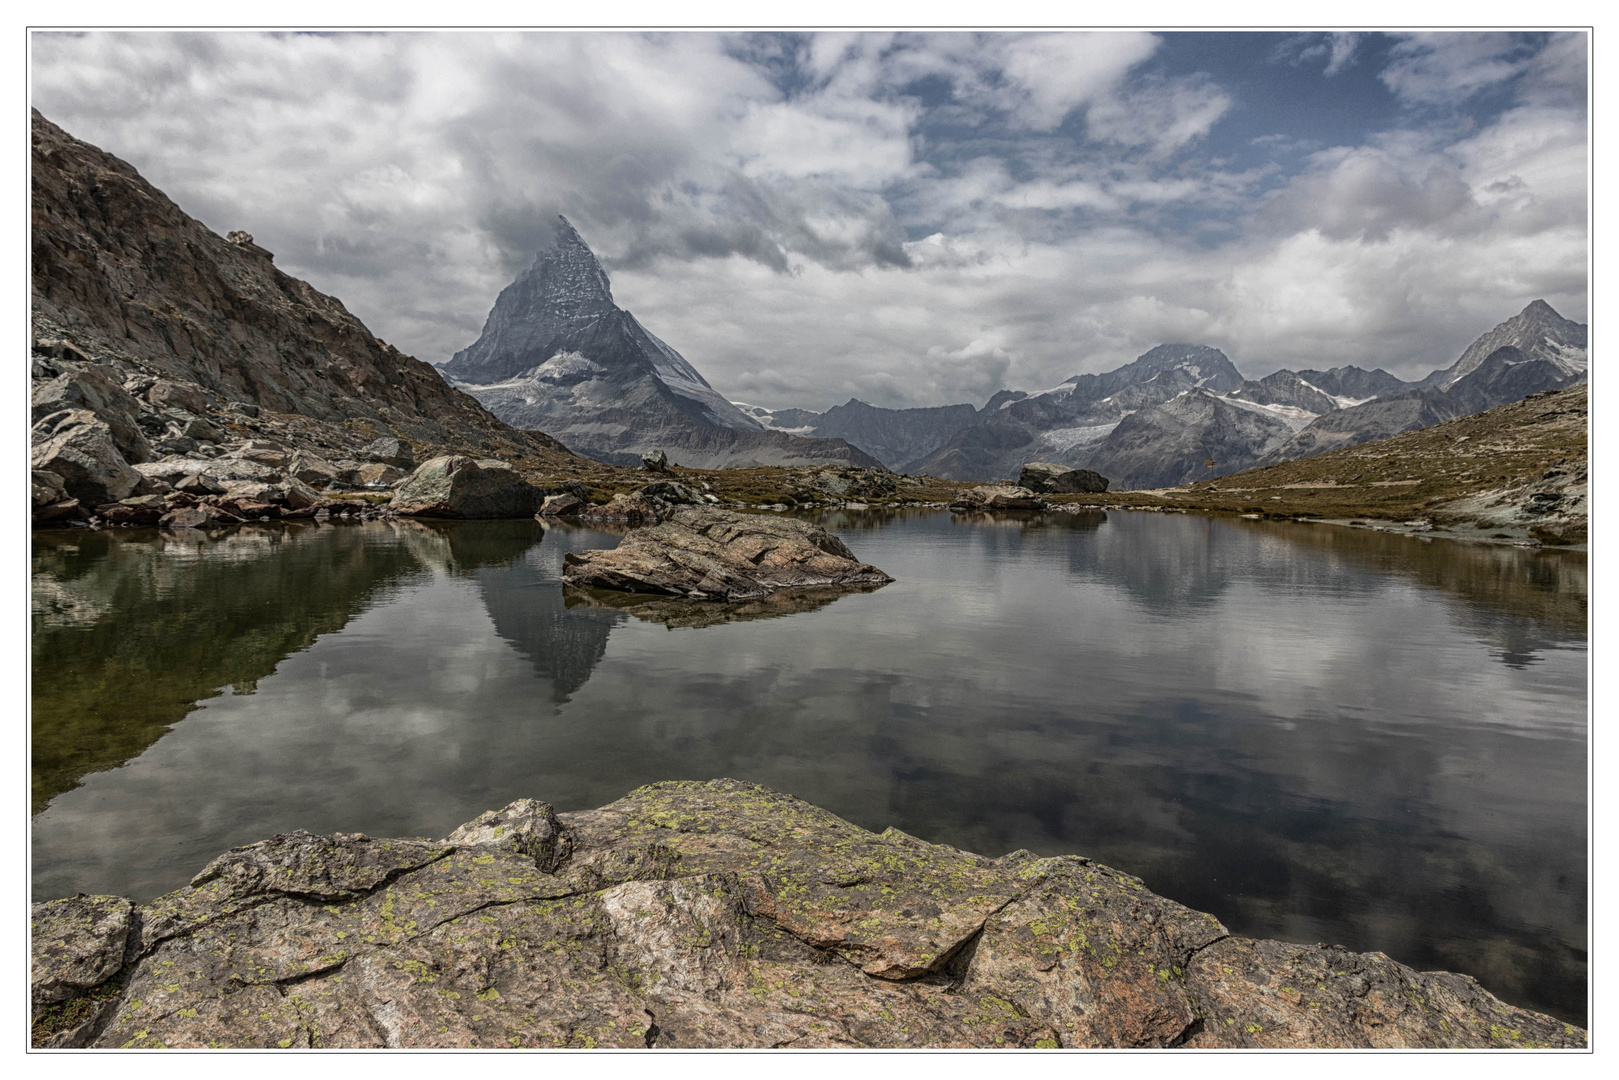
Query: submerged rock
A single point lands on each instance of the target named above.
(717, 914)
(459, 487)
(709, 554)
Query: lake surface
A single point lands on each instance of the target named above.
(1317, 734)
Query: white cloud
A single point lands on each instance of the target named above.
(760, 224)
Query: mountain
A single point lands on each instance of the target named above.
(1538, 332)
(124, 277)
(557, 353)
(1534, 351)
(892, 436)
(1171, 443)
(1064, 424)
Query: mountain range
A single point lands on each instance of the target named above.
(1181, 413)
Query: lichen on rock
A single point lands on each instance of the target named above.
(709, 914)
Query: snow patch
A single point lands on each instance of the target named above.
(1065, 439)
(1294, 417)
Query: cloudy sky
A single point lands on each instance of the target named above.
(912, 219)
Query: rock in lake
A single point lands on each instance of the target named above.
(713, 554)
(459, 487)
(560, 505)
(1049, 479)
(999, 497)
(707, 914)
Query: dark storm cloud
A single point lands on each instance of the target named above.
(910, 218)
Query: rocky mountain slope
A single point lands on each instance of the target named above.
(1515, 473)
(718, 914)
(124, 278)
(557, 354)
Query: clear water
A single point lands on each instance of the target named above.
(1316, 734)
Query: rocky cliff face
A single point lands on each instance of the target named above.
(557, 354)
(895, 437)
(717, 914)
(123, 276)
(1538, 332)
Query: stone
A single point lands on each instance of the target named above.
(560, 505)
(454, 486)
(715, 914)
(243, 408)
(184, 425)
(78, 944)
(45, 488)
(1049, 479)
(169, 394)
(313, 470)
(200, 484)
(712, 554)
(173, 470)
(78, 446)
(299, 495)
(669, 492)
(256, 491)
(374, 474)
(138, 510)
(96, 388)
(997, 497)
(262, 451)
(654, 461)
(66, 508)
(190, 517)
(389, 451)
(623, 509)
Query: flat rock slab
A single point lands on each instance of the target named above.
(717, 914)
(708, 554)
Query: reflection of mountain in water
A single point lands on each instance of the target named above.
(519, 581)
(133, 628)
(680, 613)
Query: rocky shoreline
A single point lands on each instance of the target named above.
(707, 914)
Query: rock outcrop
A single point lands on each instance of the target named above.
(709, 554)
(718, 914)
(1049, 479)
(454, 486)
(997, 497)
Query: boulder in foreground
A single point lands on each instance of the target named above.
(717, 914)
(709, 554)
(459, 487)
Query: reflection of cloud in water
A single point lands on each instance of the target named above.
(1317, 745)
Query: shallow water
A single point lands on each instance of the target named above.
(1317, 734)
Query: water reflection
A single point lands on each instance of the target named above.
(1315, 733)
(679, 613)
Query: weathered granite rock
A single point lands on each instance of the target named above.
(79, 447)
(221, 469)
(1049, 479)
(299, 495)
(313, 470)
(623, 509)
(459, 487)
(395, 452)
(199, 484)
(560, 505)
(705, 553)
(718, 914)
(168, 393)
(372, 474)
(264, 452)
(46, 488)
(96, 388)
(999, 497)
(654, 461)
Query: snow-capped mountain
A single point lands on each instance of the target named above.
(558, 355)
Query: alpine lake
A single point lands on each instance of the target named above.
(1315, 733)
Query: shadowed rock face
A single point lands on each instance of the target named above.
(718, 914)
(707, 554)
(458, 487)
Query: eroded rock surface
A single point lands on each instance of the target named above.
(455, 486)
(1042, 476)
(717, 914)
(998, 497)
(709, 554)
